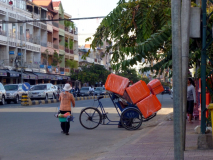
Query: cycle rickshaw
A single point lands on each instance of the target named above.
(130, 117)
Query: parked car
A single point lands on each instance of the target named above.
(45, 91)
(56, 91)
(84, 91)
(2, 94)
(13, 92)
(166, 90)
(100, 91)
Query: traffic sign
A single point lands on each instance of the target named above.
(26, 86)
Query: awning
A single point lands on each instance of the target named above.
(3, 73)
(13, 73)
(59, 77)
(65, 77)
(32, 76)
(25, 76)
(41, 75)
(53, 77)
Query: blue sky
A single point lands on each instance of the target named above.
(88, 8)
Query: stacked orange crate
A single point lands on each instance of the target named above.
(155, 86)
(149, 105)
(116, 84)
(138, 91)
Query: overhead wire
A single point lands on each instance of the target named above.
(46, 20)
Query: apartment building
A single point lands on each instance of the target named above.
(36, 43)
(96, 56)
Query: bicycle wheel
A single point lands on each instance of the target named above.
(131, 119)
(90, 118)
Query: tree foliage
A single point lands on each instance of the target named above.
(92, 74)
(139, 29)
(57, 59)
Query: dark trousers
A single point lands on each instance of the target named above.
(65, 126)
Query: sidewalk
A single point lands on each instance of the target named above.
(158, 144)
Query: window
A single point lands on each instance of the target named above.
(40, 87)
(1, 87)
(11, 87)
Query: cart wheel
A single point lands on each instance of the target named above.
(90, 118)
(131, 119)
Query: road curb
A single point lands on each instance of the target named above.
(38, 102)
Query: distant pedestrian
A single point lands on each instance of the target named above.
(66, 99)
(191, 98)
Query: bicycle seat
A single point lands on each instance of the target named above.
(100, 97)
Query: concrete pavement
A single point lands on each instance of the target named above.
(158, 144)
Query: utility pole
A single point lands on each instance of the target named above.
(21, 55)
(185, 22)
(203, 69)
(177, 79)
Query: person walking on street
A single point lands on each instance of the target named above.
(191, 98)
(66, 98)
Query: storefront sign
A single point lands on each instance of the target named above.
(11, 52)
(19, 54)
(49, 68)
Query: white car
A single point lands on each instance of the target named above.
(45, 91)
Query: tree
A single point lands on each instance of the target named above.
(139, 29)
(131, 74)
(92, 74)
(72, 65)
(57, 59)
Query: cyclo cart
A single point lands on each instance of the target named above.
(137, 107)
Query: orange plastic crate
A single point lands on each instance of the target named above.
(149, 105)
(116, 84)
(138, 91)
(155, 86)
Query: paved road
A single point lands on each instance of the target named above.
(34, 133)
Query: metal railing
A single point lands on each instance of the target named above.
(3, 33)
(61, 26)
(44, 44)
(61, 47)
(55, 24)
(36, 16)
(21, 37)
(71, 51)
(49, 44)
(55, 46)
(67, 50)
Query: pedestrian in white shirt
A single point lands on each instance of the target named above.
(191, 98)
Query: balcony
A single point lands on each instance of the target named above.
(43, 26)
(67, 50)
(12, 35)
(49, 44)
(36, 16)
(61, 26)
(29, 38)
(55, 24)
(71, 51)
(21, 37)
(36, 40)
(44, 44)
(61, 47)
(55, 46)
(3, 33)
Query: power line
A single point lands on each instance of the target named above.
(45, 20)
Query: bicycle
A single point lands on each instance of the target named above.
(130, 117)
